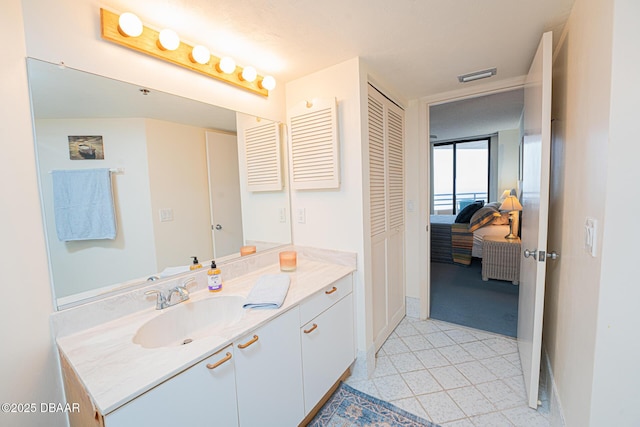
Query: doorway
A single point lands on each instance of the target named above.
(474, 162)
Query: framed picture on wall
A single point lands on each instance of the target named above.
(86, 147)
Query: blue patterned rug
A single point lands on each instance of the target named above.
(348, 407)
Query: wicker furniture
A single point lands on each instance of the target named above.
(501, 259)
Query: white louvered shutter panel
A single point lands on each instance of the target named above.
(395, 164)
(314, 146)
(376, 166)
(262, 156)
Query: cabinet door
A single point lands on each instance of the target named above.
(269, 374)
(328, 349)
(203, 395)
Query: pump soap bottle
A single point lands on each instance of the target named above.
(215, 278)
(196, 264)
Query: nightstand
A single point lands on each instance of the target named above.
(501, 259)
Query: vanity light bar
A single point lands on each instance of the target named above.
(148, 42)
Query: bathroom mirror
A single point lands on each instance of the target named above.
(176, 173)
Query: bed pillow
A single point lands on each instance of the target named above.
(467, 212)
(503, 219)
(482, 217)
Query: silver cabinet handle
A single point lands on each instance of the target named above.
(533, 253)
(553, 255)
(218, 227)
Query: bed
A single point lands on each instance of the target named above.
(458, 243)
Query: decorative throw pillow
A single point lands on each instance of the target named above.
(482, 217)
(467, 212)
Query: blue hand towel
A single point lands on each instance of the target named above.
(83, 204)
(269, 291)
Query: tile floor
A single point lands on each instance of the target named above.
(453, 376)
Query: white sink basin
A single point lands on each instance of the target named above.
(189, 321)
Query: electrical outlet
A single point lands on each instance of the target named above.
(301, 215)
(282, 214)
(411, 206)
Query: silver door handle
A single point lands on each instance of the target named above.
(218, 227)
(553, 255)
(533, 253)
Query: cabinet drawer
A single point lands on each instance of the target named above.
(325, 298)
(204, 394)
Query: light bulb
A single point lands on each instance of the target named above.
(268, 83)
(200, 54)
(129, 25)
(169, 40)
(249, 74)
(226, 65)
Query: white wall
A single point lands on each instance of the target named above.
(413, 141)
(508, 149)
(580, 148)
(178, 180)
(261, 220)
(334, 218)
(81, 265)
(616, 374)
(28, 365)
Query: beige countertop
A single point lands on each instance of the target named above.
(115, 370)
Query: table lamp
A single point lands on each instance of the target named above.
(511, 205)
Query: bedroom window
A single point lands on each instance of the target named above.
(460, 174)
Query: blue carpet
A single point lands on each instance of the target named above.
(348, 407)
(460, 296)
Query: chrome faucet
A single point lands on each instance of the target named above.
(161, 301)
(182, 291)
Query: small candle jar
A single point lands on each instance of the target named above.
(247, 250)
(288, 261)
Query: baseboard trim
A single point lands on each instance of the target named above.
(556, 414)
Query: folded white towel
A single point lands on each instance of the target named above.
(83, 204)
(269, 291)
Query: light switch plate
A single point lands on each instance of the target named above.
(411, 206)
(590, 230)
(166, 214)
(301, 215)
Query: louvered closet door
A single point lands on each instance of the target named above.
(386, 196)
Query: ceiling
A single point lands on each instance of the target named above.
(480, 116)
(61, 93)
(415, 47)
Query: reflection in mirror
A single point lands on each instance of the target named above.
(177, 180)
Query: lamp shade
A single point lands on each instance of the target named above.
(510, 204)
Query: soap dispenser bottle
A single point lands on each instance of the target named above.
(196, 264)
(214, 278)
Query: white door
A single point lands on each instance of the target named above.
(535, 202)
(224, 193)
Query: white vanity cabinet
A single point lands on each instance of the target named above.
(273, 374)
(269, 373)
(203, 395)
(328, 343)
